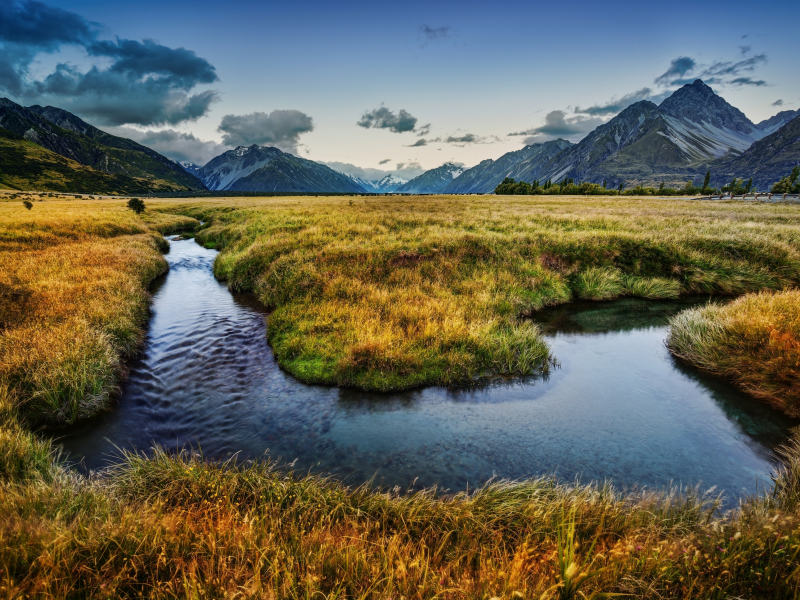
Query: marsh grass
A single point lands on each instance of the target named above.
(753, 341)
(173, 525)
(392, 293)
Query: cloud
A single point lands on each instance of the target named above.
(384, 161)
(145, 83)
(558, 125)
(405, 170)
(383, 118)
(747, 81)
(424, 130)
(464, 139)
(778, 103)
(280, 128)
(616, 105)
(678, 69)
(419, 142)
(176, 145)
(685, 70)
(429, 34)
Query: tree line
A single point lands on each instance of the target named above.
(568, 187)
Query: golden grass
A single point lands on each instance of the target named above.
(390, 293)
(74, 274)
(73, 301)
(754, 341)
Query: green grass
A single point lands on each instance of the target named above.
(176, 526)
(387, 294)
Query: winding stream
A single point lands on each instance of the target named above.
(619, 407)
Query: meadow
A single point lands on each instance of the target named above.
(337, 272)
(391, 293)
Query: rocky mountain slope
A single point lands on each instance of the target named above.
(386, 184)
(521, 165)
(433, 181)
(65, 134)
(772, 124)
(266, 169)
(767, 160)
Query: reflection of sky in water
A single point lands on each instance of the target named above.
(618, 407)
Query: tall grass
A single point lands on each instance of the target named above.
(172, 525)
(394, 293)
(754, 341)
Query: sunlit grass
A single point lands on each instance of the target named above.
(456, 277)
(391, 293)
(754, 340)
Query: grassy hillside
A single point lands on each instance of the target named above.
(68, 136)
(388, 294)
(28, 166)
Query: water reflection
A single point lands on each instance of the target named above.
(619, 406)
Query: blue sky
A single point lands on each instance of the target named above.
(328, 81)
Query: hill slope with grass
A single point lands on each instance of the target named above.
(65, 134)
(25, 165)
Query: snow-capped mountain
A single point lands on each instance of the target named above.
(433, 181)
(266, 169)
(387, 184)
(190, 167)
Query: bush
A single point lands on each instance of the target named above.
(27, 204)
(136, 205)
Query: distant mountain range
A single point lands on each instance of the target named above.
(690, 132)
(109, 163)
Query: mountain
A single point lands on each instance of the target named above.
(190, 167)
(25, 165)
(65, 134)
(520, 164)
(433, 181)
(767, 160)
(772, 124)
(266, 169)
(387, 184)
(648, 144)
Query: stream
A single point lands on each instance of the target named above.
(619, 407)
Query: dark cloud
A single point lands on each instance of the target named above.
(685, 70)
(146, 83)
(419, 142)
(678, 69)
(616, 105)
(721, 69)
(430, 34)
(43, 27)
(384, 161)
(558, 125)
(747, 81)
(176, 145)
(778, 103)
(383, 118)
(745, 49)
(424, 130)
(466, 138)
(280, 128)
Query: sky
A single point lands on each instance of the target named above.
(377, 88)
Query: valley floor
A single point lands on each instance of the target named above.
(380, 294)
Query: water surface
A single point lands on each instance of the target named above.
(619, 406)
